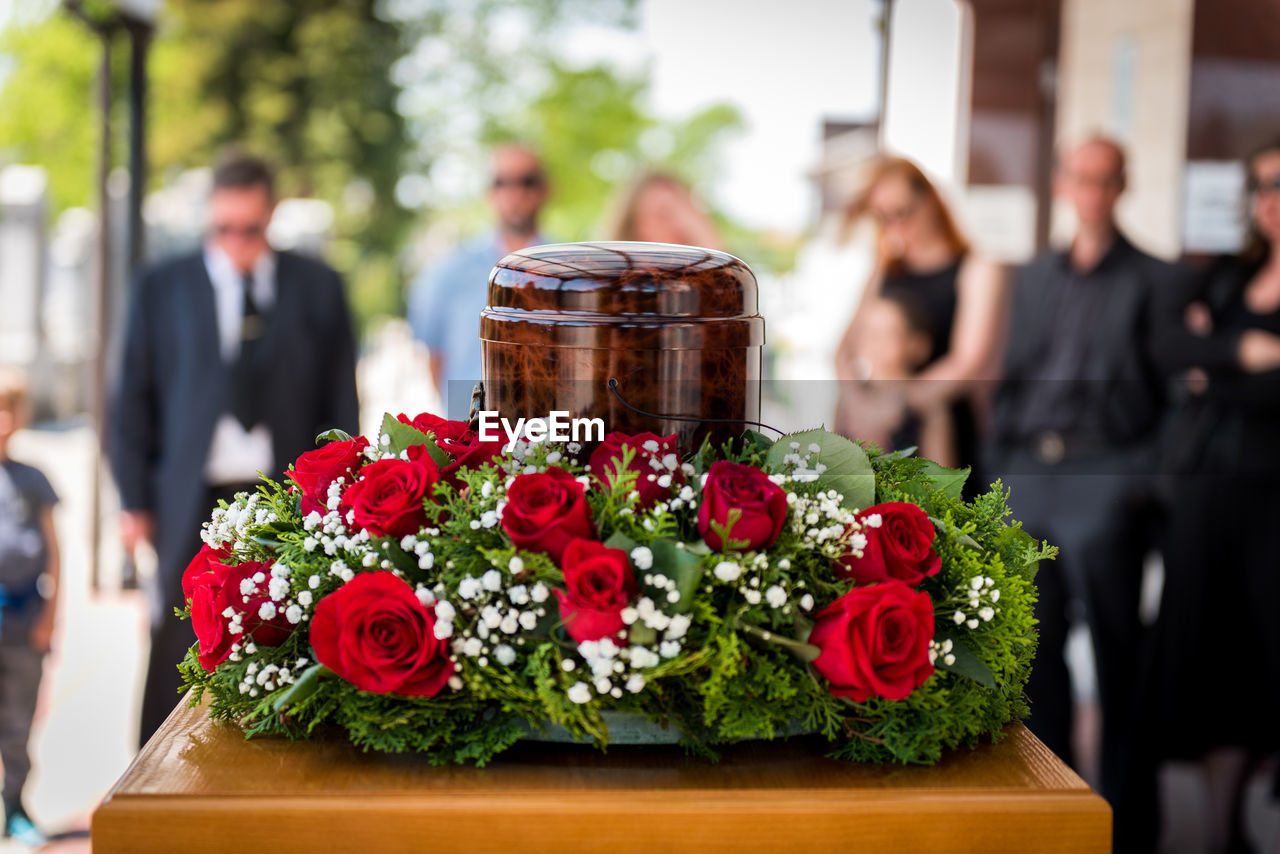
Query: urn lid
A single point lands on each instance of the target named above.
(624, 280)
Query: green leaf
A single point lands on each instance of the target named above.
(949, 482)
(700, 548)
(642, 634)
(334, 435)
(302, 688)
(962, 539)
(757, 440)
(680, 564)
(404, 436)
(967, 662)
(900, 454)
(806, 652)
(848, 470)
(620, 540)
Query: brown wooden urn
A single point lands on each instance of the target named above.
(676, 326)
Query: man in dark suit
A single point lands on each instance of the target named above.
(1076, 422)
(235, 357)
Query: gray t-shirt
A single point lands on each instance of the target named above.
(25, 494)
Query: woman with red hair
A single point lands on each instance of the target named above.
(923, 258)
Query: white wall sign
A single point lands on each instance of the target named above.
(1213, 218)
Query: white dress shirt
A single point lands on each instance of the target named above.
(237, 455)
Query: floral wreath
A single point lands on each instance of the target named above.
(429, 591)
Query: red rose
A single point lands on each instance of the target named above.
(760, 505)
(207, 567)
(900, 547)
(428, 424)
(211, 587)
(387, 500)
(599, 585)
(245, 590)
(458, 440)
(545, 511)
(375, 633)
(875, 641)
(315, 470)
(606, 459)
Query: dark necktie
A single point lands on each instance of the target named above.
(247, 390)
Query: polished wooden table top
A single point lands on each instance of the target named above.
(200, 786)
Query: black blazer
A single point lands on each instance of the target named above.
(1120, 379)
(171, 386)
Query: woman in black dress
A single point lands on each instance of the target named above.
(923, 258)
(1216, 664)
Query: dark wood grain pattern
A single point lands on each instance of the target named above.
(677, 326)
(198, 786)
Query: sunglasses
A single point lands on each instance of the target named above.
(1267, 187)
(531, 181)
(894, 217)
(245, 232)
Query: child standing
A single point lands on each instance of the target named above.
(28, 601)
(893, 345)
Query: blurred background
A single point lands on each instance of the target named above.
(380, 115)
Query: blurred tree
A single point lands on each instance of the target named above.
(595, 132)
(46, 103)
(305, 83)
(381, 107)
(308, 84)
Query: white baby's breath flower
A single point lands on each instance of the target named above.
(469, 587)
(642, 557)
(579, 693)
(727, 571)
(775, 596)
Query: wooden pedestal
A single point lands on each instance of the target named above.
(200, 787)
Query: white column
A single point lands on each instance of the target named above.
(927, 97)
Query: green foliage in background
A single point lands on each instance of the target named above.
(355, 100)
(590, 160)
(47, 111)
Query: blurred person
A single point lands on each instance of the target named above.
(658, 207)
(1076, 421)
(447, 298)
(1215, 690)
(28, 603)
(235, 358)
(921, 251)
(895, 343)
